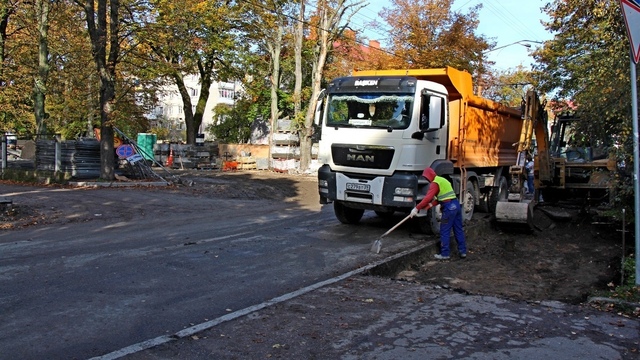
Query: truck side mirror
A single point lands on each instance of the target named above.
(432, 114)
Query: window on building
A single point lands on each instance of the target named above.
(226, 93)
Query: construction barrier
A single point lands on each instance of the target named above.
(229, 165)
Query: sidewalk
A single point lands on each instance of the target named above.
(366, 317)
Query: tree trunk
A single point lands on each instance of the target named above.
(206, 79)
(5, 12)
(186, 107)
(107, 153)
(40, 87)
(274, 49)
(316, 83)
(299, 35)
(102, 31)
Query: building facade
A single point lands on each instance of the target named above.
(169, 113)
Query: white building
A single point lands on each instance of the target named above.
(169, 111)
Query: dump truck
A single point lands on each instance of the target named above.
(567, 165)
(379, 129)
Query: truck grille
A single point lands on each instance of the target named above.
(362, 156)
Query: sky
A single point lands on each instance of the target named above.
(504, 21)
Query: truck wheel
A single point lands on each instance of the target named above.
(498, 193)
(469, 201)
(430, 224)
(347, 215)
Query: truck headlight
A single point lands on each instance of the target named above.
(403, 191)
(323, 183)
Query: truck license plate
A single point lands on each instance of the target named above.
(358, 187)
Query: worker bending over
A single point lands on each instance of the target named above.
(441, 191)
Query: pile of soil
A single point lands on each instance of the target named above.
(566, 260)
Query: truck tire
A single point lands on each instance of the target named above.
(498, 193)
(347, 215)
(430, 224)
(469, 201)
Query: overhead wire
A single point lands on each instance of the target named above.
(369, 20)
(364, 26)
(511, 20)
(502, 14)
(295, 19)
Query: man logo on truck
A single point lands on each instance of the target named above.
(361, 158)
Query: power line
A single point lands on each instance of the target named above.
(511, 19)
(365, 24)
(295, 19)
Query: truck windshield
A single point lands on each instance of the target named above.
(382, 111)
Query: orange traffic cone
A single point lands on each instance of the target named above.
(170, 158)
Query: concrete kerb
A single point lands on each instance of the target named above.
(117, 183)
(383, 266)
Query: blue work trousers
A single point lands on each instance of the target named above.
(530, 187)
(451, 219)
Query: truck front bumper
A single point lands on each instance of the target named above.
(365, 191)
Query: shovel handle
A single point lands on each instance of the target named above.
(396, 226)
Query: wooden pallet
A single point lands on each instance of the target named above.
(246, 163)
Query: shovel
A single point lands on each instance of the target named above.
(375, 247)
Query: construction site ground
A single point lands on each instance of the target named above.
(565, 260)
(530, 288)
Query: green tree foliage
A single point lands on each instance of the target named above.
(17, 52)
(587, 64)
(428, 34)
(72, 105)
(509, 86)
(232, 124)
(194, 37)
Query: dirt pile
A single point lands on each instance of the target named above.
(565, 261)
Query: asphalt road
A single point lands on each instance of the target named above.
(121, 266)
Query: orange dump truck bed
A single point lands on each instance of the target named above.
(482, 132)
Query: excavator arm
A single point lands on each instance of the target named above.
(516, 209)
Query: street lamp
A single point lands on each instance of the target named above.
(525, 43)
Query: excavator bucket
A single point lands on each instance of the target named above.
(515, 213)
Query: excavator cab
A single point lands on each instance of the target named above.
(580, 166)
(567, 143)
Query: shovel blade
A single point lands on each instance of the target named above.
(375, 247)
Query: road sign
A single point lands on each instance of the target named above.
(631, 12)
(124, 151)
(134, 158)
